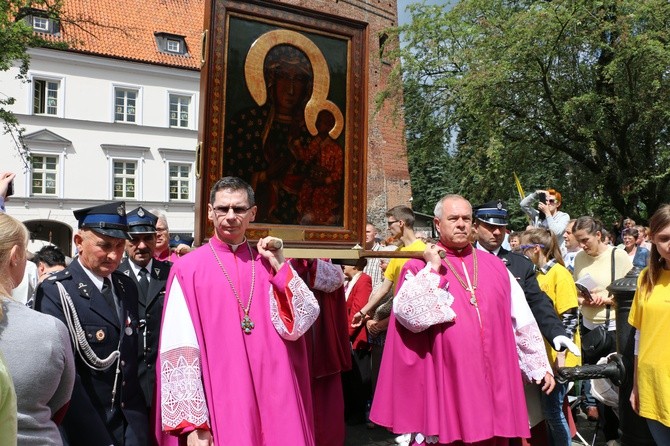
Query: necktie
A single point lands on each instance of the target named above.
(108, 294)
(144, 283)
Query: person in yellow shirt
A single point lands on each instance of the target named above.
(541, 246)
(650, 315)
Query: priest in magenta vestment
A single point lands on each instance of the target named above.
(459, 339)
(233, 363)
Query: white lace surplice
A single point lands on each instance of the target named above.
(421, 303)
(182, 394)
(533, 359)
(302, 303)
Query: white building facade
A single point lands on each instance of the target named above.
(100, 129)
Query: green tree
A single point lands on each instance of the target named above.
(16, 36)
(569, 94)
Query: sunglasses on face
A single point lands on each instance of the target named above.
(237, 210)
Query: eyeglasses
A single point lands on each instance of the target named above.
(390, 223)
(525, 247)
(237, 210)
(551, 201)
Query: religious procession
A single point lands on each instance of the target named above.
(466, 343)
(297, 224)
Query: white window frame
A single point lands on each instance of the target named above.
(169, 41)
(176, 156)
(192, 124)
(37, 76)
(138, 103)
(44, 171)
(45, 20)
(188, 180)
(135, 154)
(134, 176)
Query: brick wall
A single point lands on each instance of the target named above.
(388, 174)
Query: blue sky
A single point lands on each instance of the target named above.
(403, 17)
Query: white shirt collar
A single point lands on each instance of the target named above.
(136, 268)
(97, 280)
(494, 252)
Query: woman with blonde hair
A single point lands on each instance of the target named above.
(36, 348)
(541, 246)
(650, 315)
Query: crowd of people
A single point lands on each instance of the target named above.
(131, 343)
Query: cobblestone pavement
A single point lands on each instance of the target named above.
(360, 435)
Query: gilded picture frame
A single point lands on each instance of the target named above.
(284, 106)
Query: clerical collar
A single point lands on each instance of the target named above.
(233, 248)
(494, 252)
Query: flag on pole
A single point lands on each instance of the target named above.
(522, 195)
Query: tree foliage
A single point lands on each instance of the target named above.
(570, 94)
(16, 36)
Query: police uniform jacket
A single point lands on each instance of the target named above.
(150, 314)
(91, 419)
(540, 304)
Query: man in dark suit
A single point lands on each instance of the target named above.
(149, 276)
(99, 306)
(490, 224)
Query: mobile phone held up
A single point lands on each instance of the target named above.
(10, 189)
(542, 198)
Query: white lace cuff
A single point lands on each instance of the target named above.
(421, 303)
(182, 396)
(299, 307)
(328, 277)
(533, 359)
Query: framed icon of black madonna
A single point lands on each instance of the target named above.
(284, 107)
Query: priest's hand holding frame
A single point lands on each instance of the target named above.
(272, 248)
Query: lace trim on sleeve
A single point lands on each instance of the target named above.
(421, 303)
(183, 401)
(533, 359)
(304, 306)
(328, 277)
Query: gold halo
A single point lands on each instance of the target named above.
(253, 75)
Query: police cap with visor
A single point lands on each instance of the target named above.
(141, 221)
(107, 219)
(494, 212)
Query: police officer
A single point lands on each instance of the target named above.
(149, 276)
(490, 224)
(99, 306)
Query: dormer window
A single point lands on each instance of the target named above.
(174, 46)
(171, 43)
(40, 21)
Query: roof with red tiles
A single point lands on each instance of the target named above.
(125, 29)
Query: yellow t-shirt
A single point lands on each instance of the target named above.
(394, 267)
(652, 318)
(560, 287)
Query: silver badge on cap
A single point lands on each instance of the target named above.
(121, 210)
(140, 212)
(499, 205)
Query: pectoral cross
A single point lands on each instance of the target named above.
(473, 298)
(247, 324)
